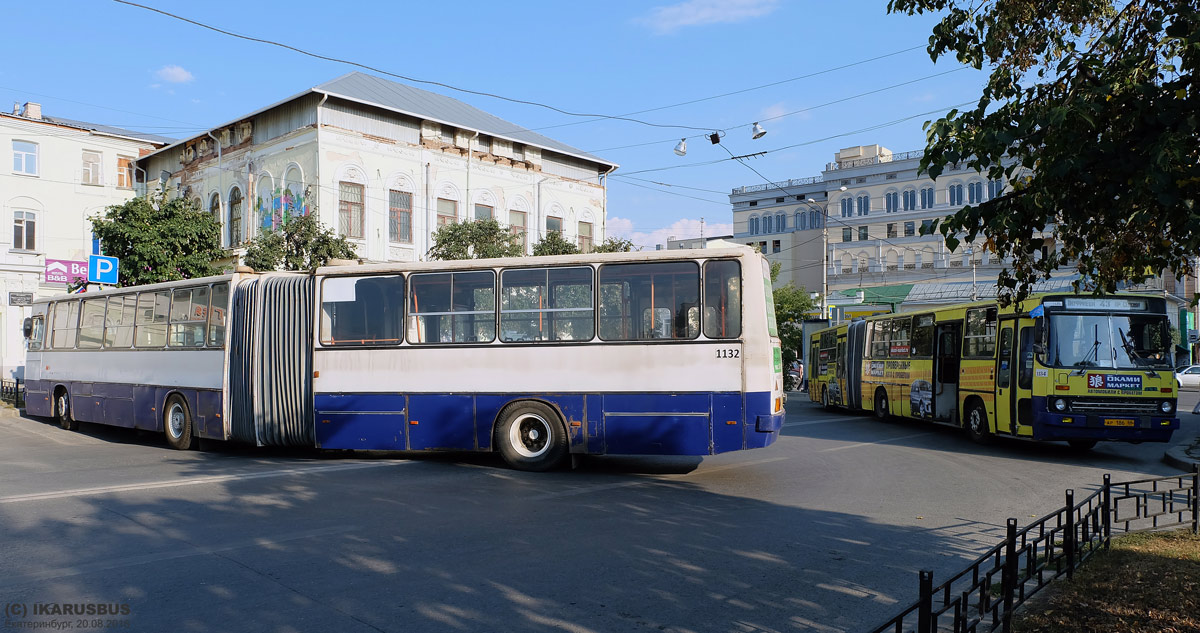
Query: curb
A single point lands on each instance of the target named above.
(1177, 455)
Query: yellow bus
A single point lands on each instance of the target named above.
(1072, 367)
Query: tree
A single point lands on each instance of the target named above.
(478, 239)
(615, 245)
(302, 243)
(159, 240)
(554, 244)
(1091, 111)
(792, 306)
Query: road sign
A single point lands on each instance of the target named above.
(102, 270)
(1193, 336)
(65, 271)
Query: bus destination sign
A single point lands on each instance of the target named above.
(1119, 382)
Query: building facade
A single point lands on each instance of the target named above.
(59, 173)
(384, 164)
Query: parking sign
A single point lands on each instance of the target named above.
(102, 270)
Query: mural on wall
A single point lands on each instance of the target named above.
(283, 206)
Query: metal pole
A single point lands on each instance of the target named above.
(1009, 575)
(974, 292)
(925, 604)
(1107, 509)
(1195, 497)
(1069, 540)
(824, 262)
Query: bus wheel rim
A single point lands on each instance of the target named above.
(975, 421)
(529, 435)
(62, 405)
(175, 421)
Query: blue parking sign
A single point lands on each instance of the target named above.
(102, 270)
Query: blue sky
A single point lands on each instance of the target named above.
(105, 62)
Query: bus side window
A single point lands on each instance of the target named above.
(216, 315)
(66, 318)
(1025, 373)
(979, 339)
(1006, 336)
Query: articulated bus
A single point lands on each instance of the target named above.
(538, 358)
(1076, 368)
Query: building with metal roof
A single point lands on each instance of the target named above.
(385, 164)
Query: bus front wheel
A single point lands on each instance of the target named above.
(977, 424)
(177, 424)
(531, 437)
(62, 410)
(881, 404)
(824, 397)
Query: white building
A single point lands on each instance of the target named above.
(384, 164)
(59, 173)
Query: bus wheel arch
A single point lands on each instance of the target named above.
(62, 408)
(178, 426)
(530, 435)
(975, 420)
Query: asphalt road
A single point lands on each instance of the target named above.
(824, 531)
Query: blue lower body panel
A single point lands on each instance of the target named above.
(1080, 426)
(628, 423)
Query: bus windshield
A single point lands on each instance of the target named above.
(1117, 341)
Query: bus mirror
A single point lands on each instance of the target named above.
(27, 327)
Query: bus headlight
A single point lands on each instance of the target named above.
(1060, 404)
(1167, 406)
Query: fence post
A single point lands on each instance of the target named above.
(1008, 577)
(1195, 497)
(925, 606)
(1069, 541)
(1107, 501)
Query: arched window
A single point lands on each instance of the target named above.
(780, 222)
(292, 202)
(214, 207)
(910, 199)
(927, 198)
(900, 260)
(754, 226)
(768, 224)
(995, 189)
(235, 216)
(847, 207)
(801, 221)
(814, 220)
(975, 192)
(263, 203)
(891, 201)
(864, 204)
(956, 194)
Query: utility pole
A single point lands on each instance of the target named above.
(974, 291)
(702, 243)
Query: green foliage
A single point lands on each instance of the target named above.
(554, 244)
(1092, 112)
(479, 239)
(792, 305)
(159, 240)
(615, 245)
(302, 243)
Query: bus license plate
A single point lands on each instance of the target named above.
(1119, 422)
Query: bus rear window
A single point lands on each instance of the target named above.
(649, 301)
(362, 310)
(723, 299)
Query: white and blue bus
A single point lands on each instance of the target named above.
(538, 358)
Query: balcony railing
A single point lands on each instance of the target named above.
(874, 160)
(793, 182)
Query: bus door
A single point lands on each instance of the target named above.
(840, 380)
(946, 356)
(1006, 379)
(1023, 393)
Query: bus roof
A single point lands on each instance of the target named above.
(166, 285)
(549, 260)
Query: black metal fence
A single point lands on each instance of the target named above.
(983, 596)
(13, 392)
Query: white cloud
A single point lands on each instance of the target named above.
(670, 18)
(174, 74)
(680, 229)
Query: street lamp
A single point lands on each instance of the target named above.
(681, 147)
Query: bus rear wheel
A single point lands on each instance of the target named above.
(62, 410)
(177, 424)
(824, 397)
(977, 424)
(531, 437)
(881, 404)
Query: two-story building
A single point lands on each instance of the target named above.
(384, 164)
(60, 172)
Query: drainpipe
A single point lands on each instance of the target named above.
(470, 207)
(428, 214)
(537, 206)
(604, 201)
(220, 185)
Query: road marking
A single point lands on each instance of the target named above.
(814, 421)
(892, 439)
(197, 481)
(145, 559)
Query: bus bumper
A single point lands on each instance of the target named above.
(769, 423)
(1144, 428)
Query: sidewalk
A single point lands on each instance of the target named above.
(1184, 453)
